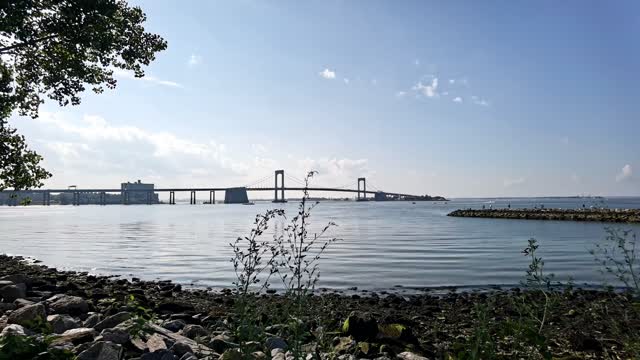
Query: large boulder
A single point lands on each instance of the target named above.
(113, 321)
(102, 350)
(361, 326)
(155, 343)
(61, 323)
(13, 292)
(180, 348)
(13, 329)
(65, 304)
(92, 320)
(28, 314)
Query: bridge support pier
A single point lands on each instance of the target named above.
(46, 198)
(76, 198)
(236, 196)
(279, 188)
(192, 199)
(103, 198)
(364, 189)
(172, 198)
(125, 197)
(212, 197)
(149, 197)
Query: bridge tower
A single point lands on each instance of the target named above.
(364, 189)
(281, 188)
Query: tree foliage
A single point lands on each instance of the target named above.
(54, 49)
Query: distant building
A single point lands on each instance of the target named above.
(139, 193)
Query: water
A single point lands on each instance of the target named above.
(384, 244)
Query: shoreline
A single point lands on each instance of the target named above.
(591, 215)
(436, 323)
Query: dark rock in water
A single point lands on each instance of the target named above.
(180, 348)
(92, 320)
(61, 323)
(194, 331)
(163, 354)
(362, 326)
(65, 304)
(113, 321)
(174, 325)
(75, 336)
(12, 292)
(102, 350)
(27, 314)
(116, 336)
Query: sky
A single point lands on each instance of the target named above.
(455, 98)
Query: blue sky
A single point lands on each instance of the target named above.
(496, 98)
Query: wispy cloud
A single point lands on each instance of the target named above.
(401, 93)
(194, 60)
(625, 174)
(124, 74)
(346, 81)
(457, 99)
(479, 101)
(513, 182)
(429, 90)
(327, 74)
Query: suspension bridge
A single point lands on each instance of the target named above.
(138, 193)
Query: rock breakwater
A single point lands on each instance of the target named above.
(601, 215)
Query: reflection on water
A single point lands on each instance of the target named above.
(383, 244)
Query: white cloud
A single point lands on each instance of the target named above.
(124, 74)
(417, 62)
(401, 93)
(512, 182)
(374, 82)
(457, 99)
(430, 90)
(625, 174)
(336, 170)
(327, 74)
(479, 101)
(346, 81)
(194, 60)
(452, 81)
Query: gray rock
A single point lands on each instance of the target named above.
(279, 356)
(102, 350)
(13, 329)
(93, 320)
(276, 351)
(4, 307)
(5, 283)
(15, 278)
(275, 342)
(66, 304)
(220, 343)
(194, 331)
(75, 336)
(27, 314)
(18, 303)
(179, 348)
(116, 336)
(174, 325)
(162, 354)
(155, 343)
(188, 356)
(62, 323)
(410, 356)
(259, 355)
(12, 292)
(113, 321)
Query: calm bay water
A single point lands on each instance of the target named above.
(384, 244)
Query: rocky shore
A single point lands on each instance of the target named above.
(601, 215)
(72, 315)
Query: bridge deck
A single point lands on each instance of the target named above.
(326, 189)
